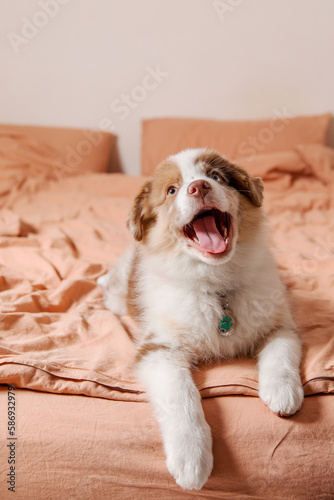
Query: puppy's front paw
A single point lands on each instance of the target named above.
(189, 457)
(284, 395)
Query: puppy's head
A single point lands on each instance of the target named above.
(198, 203)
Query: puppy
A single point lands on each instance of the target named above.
(203, 286)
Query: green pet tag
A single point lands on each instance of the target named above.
(227, 324)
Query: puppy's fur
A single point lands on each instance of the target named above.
(200, 241)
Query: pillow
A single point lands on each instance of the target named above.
(235, 139)
(75, 150)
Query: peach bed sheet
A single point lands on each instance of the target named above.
(79, 448)
(59, 233)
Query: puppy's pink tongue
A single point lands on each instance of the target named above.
(208, 235)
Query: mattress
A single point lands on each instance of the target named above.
(83, 427)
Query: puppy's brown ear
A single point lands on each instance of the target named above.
(257, 191)
(251, 187)
(235, 176)
(141, 216)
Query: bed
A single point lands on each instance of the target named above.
(75, 423)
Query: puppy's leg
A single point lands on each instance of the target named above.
(115, 284)
(280, 387)
(177, 403)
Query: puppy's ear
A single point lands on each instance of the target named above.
(141, 216)
(257, 191)
(251, 187)
(235, 176)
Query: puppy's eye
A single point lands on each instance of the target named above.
(171, 191)
(215, 176)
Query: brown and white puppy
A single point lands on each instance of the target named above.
(203, 285)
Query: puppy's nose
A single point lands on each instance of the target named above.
(199, 188)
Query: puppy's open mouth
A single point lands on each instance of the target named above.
(210, 231)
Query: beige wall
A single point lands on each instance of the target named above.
(93, 63)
